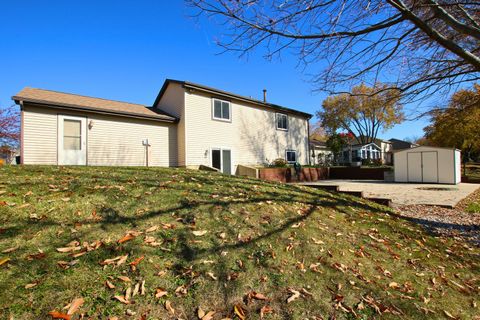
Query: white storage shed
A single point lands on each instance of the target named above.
(427, 165)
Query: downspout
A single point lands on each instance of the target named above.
(22, 126)
(308, 142)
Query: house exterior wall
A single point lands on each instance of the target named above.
(251, 135)
(111, 141)
(173, 102)
(448, 166)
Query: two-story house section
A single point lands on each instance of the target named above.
(221, 129)
(188, 125)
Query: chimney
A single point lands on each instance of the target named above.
(265, 95)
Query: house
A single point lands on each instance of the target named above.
(401, 145)
(378, 150)
(188, 125)
(320, 153)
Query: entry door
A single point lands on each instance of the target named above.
(222, 160)
(414, 166)
(429, 167)
(72, 142)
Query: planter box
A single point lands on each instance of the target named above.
(289, 175)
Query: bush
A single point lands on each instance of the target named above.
(372, 162)
(278, 163)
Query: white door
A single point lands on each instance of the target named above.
(72, 142)
(430, 167)
(414, 166)
(222, 160)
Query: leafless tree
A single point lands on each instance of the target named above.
(417, 46)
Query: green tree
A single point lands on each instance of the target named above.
(458, 126)
(361, 112)
(336, 142)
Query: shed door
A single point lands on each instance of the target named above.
(414, 166)
(430, 167)
(72, 145)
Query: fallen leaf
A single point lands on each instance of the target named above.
(200, 313)
(109, 285)
(126, 238)
(10, 250)
(124, 278)
(135, 262)
(75, 305)
(168, 307)
(239, 311)
(3, 261)
(211, 275)
(393, 285)
(160, 292)
(142, 288)
(265, 310)
(122, 299)
(151, 229)
(58, 315)
(294, 294)
(199, 233)
(30, 285)
(448, 314)
(122, 260)
(257, 296)
(208, 316)
(68, 249)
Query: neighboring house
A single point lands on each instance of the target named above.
(319, 152)
(401, 145)
(189, 125)
(377, 150)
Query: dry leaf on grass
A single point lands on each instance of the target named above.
(151, 229)
(239, 311)
(160, 292)
(265, 310)
(75, 305)
(59, 315)
(199, 233)
(211, 275)
(122, 299)
(124, 278)
(31, 285)
(109, 285)
(294, 294)
(208, 316)
(10, 250)
(126, 238)
(3, 261)
(168, 307)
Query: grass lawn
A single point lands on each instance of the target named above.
(162, 243)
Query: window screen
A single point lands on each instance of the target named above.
(72, 135)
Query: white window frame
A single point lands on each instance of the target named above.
(286, 157)
(229, 110)
(221, 149)
(276, 121)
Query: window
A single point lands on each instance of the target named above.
(72, 134)
(291, 156)
(221, 110)
(282, 121)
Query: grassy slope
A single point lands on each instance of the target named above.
(268, 227)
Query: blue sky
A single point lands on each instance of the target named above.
(124, 50)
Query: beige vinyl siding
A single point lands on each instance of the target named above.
(116, 141)
(111, 141)
(173, 102)
(39, 136)
(251, 135)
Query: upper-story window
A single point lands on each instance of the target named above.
(282, 121)
(221, 110)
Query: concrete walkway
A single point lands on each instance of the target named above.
(403, 193)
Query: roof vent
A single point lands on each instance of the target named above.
(265, 95)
